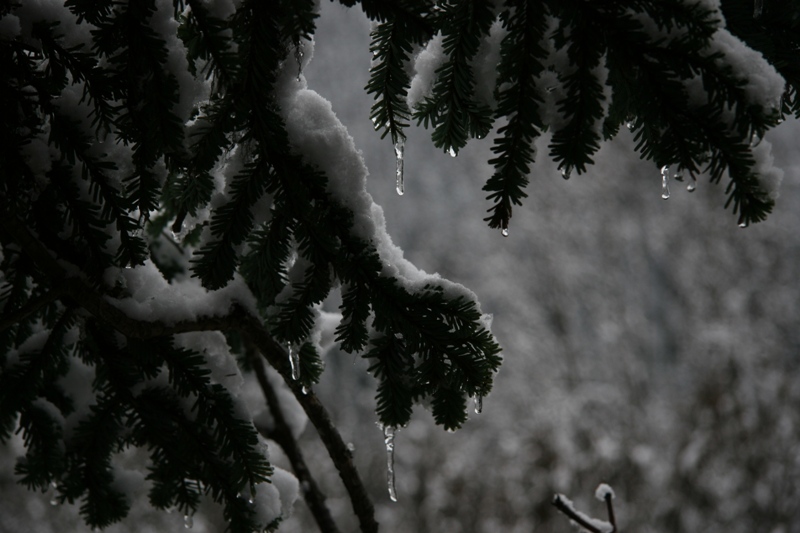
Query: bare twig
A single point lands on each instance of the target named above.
(283, 436)
(563, 505)
(610, 507)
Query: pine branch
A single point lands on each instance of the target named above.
(389, 81)
(205, 38)
(282, 434)
(32, 306)
(237, 320)
(230, 225)
(517, 96)
(451, 109)
(278, 358)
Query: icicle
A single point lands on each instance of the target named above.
(665, 182)
(452, 152)
(294, 361)
(566, 172)
(399, 152)
(188, 521)
(388, 439)
(478, 399)
(692, 185)
(758, 8)
(298, 56)
(504, 232)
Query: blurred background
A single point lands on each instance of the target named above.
(649, 344)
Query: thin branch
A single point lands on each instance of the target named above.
(282, 434)
(565, 506)
(610, 507)
(278, 358)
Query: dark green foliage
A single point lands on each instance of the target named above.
(451, 109)
(391, 46)
(98, 163)
(619, 69)
(518, 101)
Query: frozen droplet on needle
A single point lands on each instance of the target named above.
(692, 185)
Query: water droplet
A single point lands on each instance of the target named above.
(294, 361)
(305, 390)
(758, 8)
(550, 89)
(478, 399)
(743, 224)
(351, 447)
(504, 232)
(188, 521)
(630, 122)
(452, 152)
(692, 185)
(566, 172)
(54, 497)
(399, 152)
(388, 439)
(665, 182)
(755, 140)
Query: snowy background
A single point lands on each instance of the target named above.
(649, 344)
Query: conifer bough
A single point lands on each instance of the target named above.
(177, 205)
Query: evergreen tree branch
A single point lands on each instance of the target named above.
(517, 97)
(236, 320)
(451, 109)
(32, 307)
(278, 358)
(282, 434)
